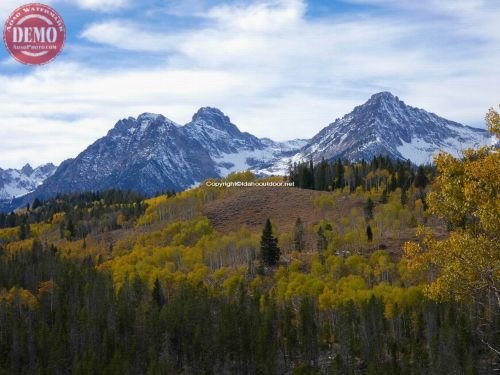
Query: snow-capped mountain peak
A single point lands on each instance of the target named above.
(211, 116)
(18, 182)
(148, 116)
(144, 124)
(385, 125)
(384, 96)
(215, 131)
(233, 150)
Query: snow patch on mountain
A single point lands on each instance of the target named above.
(418, 151)
(421, 152)
(233, 150)
(18, 182)
(269, 160)
(385, 125)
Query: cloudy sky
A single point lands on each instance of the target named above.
(279, 68)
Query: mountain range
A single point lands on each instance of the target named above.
(15, 183)
(152, 153)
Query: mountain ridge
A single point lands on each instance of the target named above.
(18, 182)
(152, 153)
(386, 125)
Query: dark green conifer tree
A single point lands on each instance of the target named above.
(421, 180)
(369, 233)
(269, 250)
(311, 175)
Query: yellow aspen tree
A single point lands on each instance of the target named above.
(466, 265)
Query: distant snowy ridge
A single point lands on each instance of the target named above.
(18, 182)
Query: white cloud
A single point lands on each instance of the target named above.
(266, 16)
(473, 17)
(38, 140)
(8, 6)
(102, 5)
(275, 71)
(128, 36)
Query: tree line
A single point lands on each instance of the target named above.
(78, 214)
(381, 173)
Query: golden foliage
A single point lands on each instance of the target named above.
(8, 234)
(19, 297)
(466, 191)
(18, 246)
(493, 121)
(461, 267)
(467, 264)
(183, 206)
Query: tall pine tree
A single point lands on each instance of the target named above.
(269, 250)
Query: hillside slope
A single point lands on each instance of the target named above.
(250, 207)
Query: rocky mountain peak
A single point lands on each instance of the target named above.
(384, 96)
(382, 104)
(211, 116)
(27, 170)
(146, 123)
(147, 116)
(218, 135)
(385, 125)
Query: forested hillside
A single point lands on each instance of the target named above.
(365, 268)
